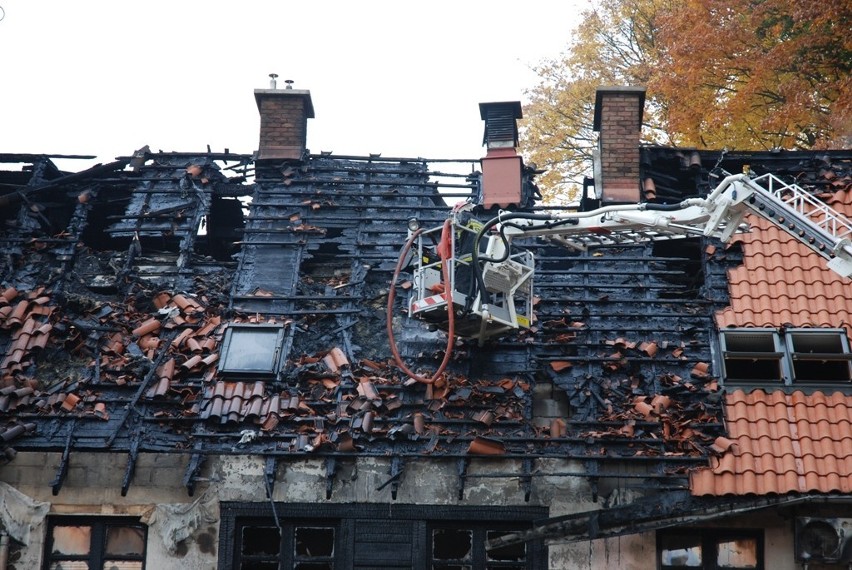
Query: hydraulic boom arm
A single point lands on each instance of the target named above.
(489, 287)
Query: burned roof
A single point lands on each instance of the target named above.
(120, 284)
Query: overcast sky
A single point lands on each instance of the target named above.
(392, 77)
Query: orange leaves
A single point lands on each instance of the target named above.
(749, 74)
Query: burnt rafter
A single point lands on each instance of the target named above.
(330, 474)
(132, 457)
(196, 461)
(395, 470)
(269, 470)
(64, 460)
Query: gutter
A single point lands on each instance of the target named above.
(654, 514)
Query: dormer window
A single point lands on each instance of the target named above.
(251, 350)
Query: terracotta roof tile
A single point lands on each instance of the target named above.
(783, 443)
(781, 281)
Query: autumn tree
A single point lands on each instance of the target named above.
(613, 45)
(756, 74)
(745, 74)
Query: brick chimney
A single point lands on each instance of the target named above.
(618, 119)
(284, 115)
(502, 167)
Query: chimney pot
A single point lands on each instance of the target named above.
(502, 167)
(272, 83)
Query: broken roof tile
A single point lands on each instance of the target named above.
(486, 446)
(335, 360)
(150, 325)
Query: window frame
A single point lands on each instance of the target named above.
(421, 518)
(228, 339)
(789, 359)
(479, 538)
(725, 337)
(99, 525)
(287, 556)
(791, 335)
(710, 538)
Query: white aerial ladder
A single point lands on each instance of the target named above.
(489, 285)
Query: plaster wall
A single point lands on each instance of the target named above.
(157, 494)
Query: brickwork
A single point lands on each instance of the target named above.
(284, 118)
(620, 123)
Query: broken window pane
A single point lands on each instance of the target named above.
(125, 541)
(260, 540)
(314, 542)
(123, 565)
(740, 553)
(513, 553)
(754, 355)
(69, 565)
(451, 544)
(74, 540)
(681, 551)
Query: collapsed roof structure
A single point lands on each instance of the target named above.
(215, 323)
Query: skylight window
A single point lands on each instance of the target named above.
(819, 355)
(789, 356)
(752, 355)
(252, 349)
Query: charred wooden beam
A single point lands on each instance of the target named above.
(62, 471)
(396, 467)
(143, 386)
(330, 474)
(132, 457)
(672, 509)
(269, 474)
(22, 194)
(461, 466)
(526, 479)
(194, 468)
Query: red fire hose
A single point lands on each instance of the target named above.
(445, 252)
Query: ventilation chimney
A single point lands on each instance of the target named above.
(284, 115)
(618, 119)
(502, 182)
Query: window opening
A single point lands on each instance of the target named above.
(465, 549)
(753, 355)
(513, 553)
(819, 355)
(710, 549)
(297, 546)
(261, 541)
(451, 546)
(738, 553)
(314, 548)
(95, 543)
(801, 355)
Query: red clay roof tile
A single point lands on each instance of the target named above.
(782, 281)
(785, 443)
